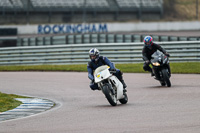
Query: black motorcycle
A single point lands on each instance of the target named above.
(161, 68)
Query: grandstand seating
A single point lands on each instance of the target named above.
(73, 10)
(57, 3)
(138, 3)
(128, 3)
(97, 3)
(69, 3)
(11, 4)
(5, 4)
(17, 3)
(81, 3)
(151, 3)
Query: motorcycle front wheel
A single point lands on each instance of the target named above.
(166, 77)
(124, 100)
(162, 83)
(109, 95)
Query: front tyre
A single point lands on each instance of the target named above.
(166, 77)
(124, 100)
(162, 83)
(109, 95)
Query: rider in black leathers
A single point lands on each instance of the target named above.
(97, 61)
(148, 49)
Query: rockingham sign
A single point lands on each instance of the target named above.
(104, 27)
(72, 28)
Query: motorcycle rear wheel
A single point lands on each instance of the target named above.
(166, 77)
(110, 97)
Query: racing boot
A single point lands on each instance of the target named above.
(152, 73)
(169, 70)
(124, 85)
(122, 81)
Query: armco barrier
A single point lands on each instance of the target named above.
(87, 39)
(78, 53)
(94, 38)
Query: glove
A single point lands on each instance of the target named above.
(167, 54)
(147, 62)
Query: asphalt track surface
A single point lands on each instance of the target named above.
(150, 109)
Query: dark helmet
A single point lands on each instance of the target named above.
(94, 54)
(148, 41)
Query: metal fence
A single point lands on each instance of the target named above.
(95, 38)
(78, 53)
(85, 39)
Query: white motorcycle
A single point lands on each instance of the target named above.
(110, 85)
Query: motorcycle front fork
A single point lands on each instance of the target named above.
(157, 73)
(169, 70)
(111, 86)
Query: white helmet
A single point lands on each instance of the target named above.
(94, 52)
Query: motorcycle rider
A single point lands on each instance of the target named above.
(96, 61)
(149, 48)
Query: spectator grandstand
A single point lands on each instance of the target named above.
(12, 4)
(69, 3)
(60, 11)
(139, 3)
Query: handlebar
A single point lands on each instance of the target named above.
(113, 72)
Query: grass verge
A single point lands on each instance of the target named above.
(8, 102)
(184, 67)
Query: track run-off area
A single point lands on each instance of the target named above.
(151, 108)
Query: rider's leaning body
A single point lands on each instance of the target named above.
(147, 52)
(97, 61)
(101, 61)
(149, 48)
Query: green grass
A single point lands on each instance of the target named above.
(192, 67)
(185, 67)
(181, 68)
(8, 102)
(80, 68)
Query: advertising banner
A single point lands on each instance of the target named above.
(104, 27)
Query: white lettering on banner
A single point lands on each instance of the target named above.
(79, 28)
